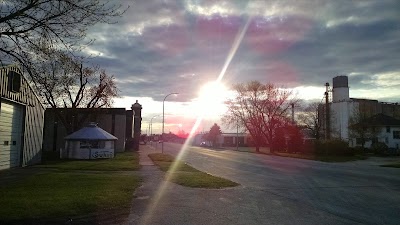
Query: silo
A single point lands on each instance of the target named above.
(340, 91)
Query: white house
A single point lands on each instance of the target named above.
(387, 131)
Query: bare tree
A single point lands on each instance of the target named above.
(62, 24)
(64, 82)
(261, 109)
(308, 118)
(359, 128)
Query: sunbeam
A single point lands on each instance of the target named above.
(164, 185)
(235, 46)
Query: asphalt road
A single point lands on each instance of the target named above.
(278, 190)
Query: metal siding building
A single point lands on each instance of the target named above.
(112, 120)
(21, 120)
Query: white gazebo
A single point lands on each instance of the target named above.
(90, 142)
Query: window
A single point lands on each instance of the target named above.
(228, 141)
(396, 134)
(14, 81)
(387, 129)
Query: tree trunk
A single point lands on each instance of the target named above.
(272, 147)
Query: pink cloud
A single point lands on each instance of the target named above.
(274, 35)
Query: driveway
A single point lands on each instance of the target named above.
(278, 190)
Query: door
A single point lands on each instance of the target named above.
(11, 127)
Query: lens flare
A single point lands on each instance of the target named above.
(165, 183)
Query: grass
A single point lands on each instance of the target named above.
(66, 190)
(327, 158)
(188, 176)
(394, 165)
(122, 161)
(164, 162)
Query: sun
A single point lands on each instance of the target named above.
(210, 102)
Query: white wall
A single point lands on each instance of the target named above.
(392, 143)
(73, 151)
(340, 94)
(383, 136)
(341, 112)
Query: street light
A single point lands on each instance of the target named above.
(151, 126)
(162, 134)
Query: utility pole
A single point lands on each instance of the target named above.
(327, 114)
(237, 135)
(292, 113)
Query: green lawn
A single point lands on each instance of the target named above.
(321, 158)
(60, 190)
(186, 175)
(122, 161)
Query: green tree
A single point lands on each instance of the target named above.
(213, 134)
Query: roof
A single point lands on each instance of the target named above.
(91, 132)
(233, 134)
(121, 111)
(380, 120)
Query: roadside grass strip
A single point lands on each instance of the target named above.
(49, 195)
(394, 165)
(122, 161)
(188, 176)
(320, 158)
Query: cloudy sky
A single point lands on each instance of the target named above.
(164, 46)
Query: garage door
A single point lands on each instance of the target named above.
(11, 121)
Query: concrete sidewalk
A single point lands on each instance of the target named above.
(144, 159)
(158, 201)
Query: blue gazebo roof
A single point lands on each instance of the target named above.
(91, 133)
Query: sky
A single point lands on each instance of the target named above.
(160, 47)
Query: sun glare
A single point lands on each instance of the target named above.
(210, 102)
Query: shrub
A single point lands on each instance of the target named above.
(359, 150)
(50, 155)
(380, 148)
(309, 146)
(333, 147)
(393, 151)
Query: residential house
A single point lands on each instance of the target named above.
(386, 130)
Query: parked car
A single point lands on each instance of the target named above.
(205, 144)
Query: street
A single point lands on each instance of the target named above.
(286, 191)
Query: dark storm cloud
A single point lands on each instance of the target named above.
(176, 46)
(368, 49)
